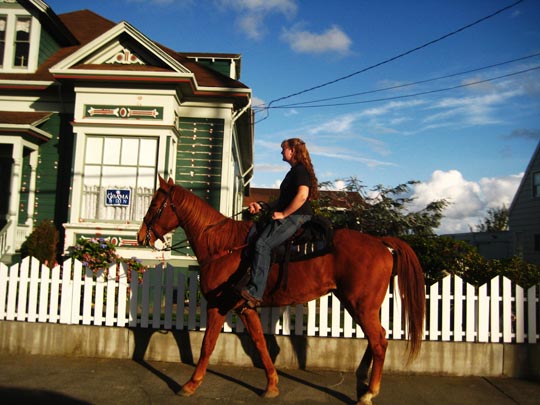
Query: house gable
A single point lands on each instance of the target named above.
(524, 191)
(524, 212)
(120, 46)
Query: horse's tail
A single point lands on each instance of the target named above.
(412, 290)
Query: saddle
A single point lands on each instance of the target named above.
(314, 238)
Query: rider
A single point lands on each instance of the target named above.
(289, 212)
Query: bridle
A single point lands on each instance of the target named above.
(169, 200)
(149, 224)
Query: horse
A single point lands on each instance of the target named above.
(358, 271)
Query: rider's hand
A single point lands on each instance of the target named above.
(254, 208)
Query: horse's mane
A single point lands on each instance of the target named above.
(207, 225)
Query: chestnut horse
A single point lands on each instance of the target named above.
(357, 271)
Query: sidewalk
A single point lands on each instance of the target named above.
(27, 379)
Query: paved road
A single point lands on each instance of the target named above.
(26, 379)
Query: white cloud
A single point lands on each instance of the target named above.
(469, 200)
(257, 103)
(269, 168)
(471, 110)
(340, 124)
(390, 106)
(252, 25)
(331, 40)
(252, 13)
(286, 7)
(341, 154)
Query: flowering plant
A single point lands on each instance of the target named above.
(98, 253)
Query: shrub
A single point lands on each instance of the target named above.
(42, 243)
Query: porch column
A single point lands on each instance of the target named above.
(32, 189)
(14, 199)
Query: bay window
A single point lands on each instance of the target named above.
(119, 175)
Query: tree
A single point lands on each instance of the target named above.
(383, 211)
(496, 220)
(442, 255)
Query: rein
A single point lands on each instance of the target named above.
(185, 242)
(219, 255)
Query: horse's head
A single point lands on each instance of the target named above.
(161, 217)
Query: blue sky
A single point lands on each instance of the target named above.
(391, 120)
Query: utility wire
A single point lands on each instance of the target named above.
(400, 86)
(392, 58)
(415, 94)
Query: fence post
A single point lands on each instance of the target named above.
(494, 310)
(458, 309)
(67, 288)
(531, 310)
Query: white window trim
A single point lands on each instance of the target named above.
(81, 133)
(35, 36)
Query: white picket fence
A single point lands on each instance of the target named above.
(498, 311)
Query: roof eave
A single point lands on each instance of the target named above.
(30, 130)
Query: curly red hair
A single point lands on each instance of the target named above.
(301, 155)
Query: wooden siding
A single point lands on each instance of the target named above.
(524, 219)
(54, 171)
(24, 190)
(220, 66)
(47, 47)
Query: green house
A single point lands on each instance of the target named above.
(92, 111)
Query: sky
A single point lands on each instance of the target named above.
(443, 92)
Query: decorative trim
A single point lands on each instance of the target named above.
(116, 240)
(125, 57)
(123, 112)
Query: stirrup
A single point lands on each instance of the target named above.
(251, 301)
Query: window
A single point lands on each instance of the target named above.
(21, 44)
(20, 34)
(536, 184)
(118, 178)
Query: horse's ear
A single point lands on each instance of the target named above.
(161, 181)
(171, 181)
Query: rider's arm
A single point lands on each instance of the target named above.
(299, 199)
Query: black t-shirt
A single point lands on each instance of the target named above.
(296, 177)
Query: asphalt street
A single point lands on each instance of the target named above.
(33, 379)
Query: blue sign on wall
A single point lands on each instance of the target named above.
(117, 197)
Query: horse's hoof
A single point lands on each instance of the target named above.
(270, 393)
(188, 389)
(366, 399)
(185, 393)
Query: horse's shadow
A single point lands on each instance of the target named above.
(143, 336)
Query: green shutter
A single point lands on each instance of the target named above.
(54, 171)
(199, 160)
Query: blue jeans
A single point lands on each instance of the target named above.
(273, 235)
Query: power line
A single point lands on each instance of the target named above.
(414, 94)
(400, 86)
(394, 57)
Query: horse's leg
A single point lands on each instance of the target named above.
(362, 372)
(213, 328)
(376, 336)
(251, 320)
